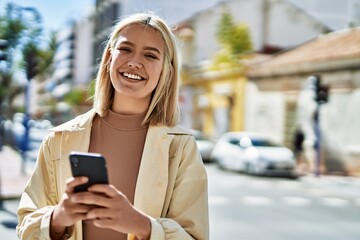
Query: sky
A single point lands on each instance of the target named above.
(55, 13)
(333, 13)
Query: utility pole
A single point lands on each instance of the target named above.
(31, 62)
(3, 57)
(321, 97)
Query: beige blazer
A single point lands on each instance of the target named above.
(171, 185)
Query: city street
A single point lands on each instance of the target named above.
(265, 88)
(253, 208)
(8, 220)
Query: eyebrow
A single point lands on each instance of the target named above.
(146, 48)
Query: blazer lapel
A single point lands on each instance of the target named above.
(152, 180)
(75, 136)
(71, 141)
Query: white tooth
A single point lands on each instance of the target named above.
(133, 76)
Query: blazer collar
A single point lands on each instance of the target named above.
(79, 123)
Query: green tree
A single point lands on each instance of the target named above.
(22, 29)
(43, 51)
(39, 61)
(234, 39)
(11, 30)
(46, 56)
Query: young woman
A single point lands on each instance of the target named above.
(158, 184)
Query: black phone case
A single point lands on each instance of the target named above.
(91, 165)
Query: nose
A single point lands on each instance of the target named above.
(133, 63)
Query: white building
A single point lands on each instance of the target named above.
(274, 24)
(285, 84)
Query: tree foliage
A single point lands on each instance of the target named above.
(22, 29)
(234, 39)
(11, 30)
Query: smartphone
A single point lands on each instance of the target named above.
(91, 165)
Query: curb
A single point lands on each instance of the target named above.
(9, 197)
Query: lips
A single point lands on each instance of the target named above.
(132, 76)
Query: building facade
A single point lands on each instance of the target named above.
(335, 58)
(274, 25)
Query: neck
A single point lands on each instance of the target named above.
(129, 105)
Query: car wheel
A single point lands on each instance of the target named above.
(220, 165)
(249, 169)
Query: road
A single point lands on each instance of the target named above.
(252, 208)
(8, 220)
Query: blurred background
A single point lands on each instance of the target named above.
(270, 89)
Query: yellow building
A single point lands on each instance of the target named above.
(217, 99)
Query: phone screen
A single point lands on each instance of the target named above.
(91, 165)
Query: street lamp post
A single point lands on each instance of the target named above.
(31, 70)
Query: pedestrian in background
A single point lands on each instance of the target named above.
(158, 183)
(299, 138)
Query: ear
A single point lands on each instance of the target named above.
(110, 51)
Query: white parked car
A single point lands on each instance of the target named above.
(204, 145)
(253, 153)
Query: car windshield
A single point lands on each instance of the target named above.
(199, 137)
(263, 143)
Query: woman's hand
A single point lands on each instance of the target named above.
(114, 211)
(68, 212)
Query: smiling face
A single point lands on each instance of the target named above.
(136, 64)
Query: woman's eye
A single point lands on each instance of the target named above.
(125, 49)
(152, 56)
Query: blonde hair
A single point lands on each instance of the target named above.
(163, 108)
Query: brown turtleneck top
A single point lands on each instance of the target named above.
(120, 139)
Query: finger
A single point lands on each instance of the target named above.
(72, 182)
(73, 207)
(104, 223)
(108, 190)
(83, 208)
(90, 199)
(100, 213)
(80, 216)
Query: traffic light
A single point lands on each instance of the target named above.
(321, 91)
(3, 46)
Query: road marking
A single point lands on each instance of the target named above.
(287, 185)
(231, 183)
(258, 184)
(296, 201)
(335, 202)
(218, 200)
(318, 192)
(256, 201)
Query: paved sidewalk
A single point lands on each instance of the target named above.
(12, 180)
(348, 186)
